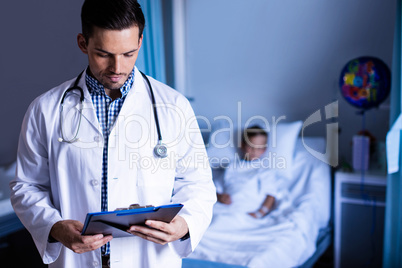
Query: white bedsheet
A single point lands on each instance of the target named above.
(287, 236)
(248, 185)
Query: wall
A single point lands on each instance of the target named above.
(284, 58)
(276, 57)
(38, 51)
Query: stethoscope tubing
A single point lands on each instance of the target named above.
(154, 107)
(75, 86)
(160, 150)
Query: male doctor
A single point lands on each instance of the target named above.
(99, 155)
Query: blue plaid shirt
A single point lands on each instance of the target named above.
(107, 112)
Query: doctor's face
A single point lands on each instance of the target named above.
(111, 54)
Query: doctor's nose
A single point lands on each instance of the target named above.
(115, 65)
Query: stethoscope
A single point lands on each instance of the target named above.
(160, 149)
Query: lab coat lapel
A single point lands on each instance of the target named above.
(138, 98)
(138, 106)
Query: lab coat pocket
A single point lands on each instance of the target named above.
(155, 171)
(154, 195)
(155, 181)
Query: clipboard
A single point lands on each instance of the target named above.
(116, 223)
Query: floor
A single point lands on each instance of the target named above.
(327, 259)
(18, 250)
(13, 245)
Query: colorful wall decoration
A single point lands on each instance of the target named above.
(365, 82)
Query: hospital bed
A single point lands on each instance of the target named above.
(309, 182)
(9, 222)
(14, 238)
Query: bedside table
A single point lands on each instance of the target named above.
(359, 218)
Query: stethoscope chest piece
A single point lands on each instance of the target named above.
(160, 150)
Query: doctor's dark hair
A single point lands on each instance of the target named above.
(251, 132)
(111, 15)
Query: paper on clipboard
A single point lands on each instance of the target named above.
(116, 223)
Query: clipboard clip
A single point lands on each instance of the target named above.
(133, 206)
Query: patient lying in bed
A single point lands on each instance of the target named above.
(257, 222)
(247, 185)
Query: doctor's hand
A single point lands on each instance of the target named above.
(68, 232)
(161, 232)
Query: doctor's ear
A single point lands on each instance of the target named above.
(82, 43)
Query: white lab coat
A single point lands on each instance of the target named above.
(59, 181)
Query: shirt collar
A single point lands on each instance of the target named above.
(96, 88)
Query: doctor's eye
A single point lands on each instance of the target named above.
(103, 55)
(128, 55)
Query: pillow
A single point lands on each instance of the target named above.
(281, 146)
(221, 146)
(224, 146)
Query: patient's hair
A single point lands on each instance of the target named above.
(111, 15)
(251, 132)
